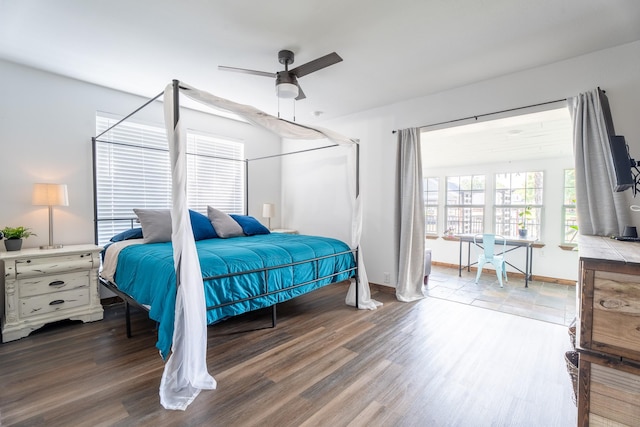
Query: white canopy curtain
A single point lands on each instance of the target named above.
(601, 212)
(412, 228)
(185, 372)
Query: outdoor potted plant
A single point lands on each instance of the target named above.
(14, 236)
(522, 225)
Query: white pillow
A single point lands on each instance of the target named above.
(224, 225)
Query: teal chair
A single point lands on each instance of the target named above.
(488, 242)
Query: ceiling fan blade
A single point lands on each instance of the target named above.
(245, 71)
(316, 64)
(301, 94)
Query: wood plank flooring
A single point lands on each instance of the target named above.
(427, 363)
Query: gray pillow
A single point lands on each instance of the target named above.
(224, 225)
(156, 224)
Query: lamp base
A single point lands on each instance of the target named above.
(51, 246)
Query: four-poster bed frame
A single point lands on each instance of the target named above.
(351, 271)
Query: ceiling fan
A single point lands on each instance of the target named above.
(287, 85)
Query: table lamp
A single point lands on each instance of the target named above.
(50, 195)
(268, 211)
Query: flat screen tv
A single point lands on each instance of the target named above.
(622, 163)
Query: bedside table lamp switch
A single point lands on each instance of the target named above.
(50, 195)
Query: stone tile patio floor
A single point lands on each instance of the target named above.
(548, 302)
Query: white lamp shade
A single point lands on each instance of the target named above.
(287, 90)
(50, 195)
(268, 210)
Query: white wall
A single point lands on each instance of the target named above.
(46, 125)
(616, 70)
(46, 122)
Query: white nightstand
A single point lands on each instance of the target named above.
(284, 231)
(46, 285)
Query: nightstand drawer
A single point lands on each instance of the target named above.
(49, 303)
(30, 267)
(55, 283)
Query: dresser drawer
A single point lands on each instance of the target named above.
(58, 301)
(30, 267)
(54, 283)
(610, 313)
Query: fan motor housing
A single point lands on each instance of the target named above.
(285, 57)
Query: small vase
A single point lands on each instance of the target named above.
(13, 244)
(522, 232)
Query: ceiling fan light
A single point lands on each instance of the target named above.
(287, 90)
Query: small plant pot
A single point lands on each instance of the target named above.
(522, 232)
(13, 244)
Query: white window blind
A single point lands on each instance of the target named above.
(133, 171)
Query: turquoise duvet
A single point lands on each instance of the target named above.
(146, 273)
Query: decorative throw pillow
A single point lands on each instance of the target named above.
(224, 225)
(156, 224)
(201, 226)
(132, 233)
(250, 225)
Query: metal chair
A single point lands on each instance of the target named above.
(488, 255)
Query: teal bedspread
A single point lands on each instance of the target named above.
(146, 273)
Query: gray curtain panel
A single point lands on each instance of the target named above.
(411, 203)
(601, 212)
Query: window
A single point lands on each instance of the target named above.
(431, 204)
(465, 204)
(133, 171)
(518, 204)
(569, 218)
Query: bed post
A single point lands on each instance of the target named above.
(246, 186)
(357, 195)
(94, 159)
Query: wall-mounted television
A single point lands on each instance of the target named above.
(622, 163)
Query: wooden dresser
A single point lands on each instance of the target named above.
(46, 285)
(608, 334)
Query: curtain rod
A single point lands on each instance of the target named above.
(489, 114)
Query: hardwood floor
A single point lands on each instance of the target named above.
(427, 363)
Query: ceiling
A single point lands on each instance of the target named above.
(392, 51)
(528, 136)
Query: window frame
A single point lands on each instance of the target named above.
(469, 212)
(569, 222)
(430, 207)
(516, 215)
(135, 152)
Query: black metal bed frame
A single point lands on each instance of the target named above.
(129, 300)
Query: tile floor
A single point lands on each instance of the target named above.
(549, 302)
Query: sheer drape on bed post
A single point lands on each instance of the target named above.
(412, 228)
(600, 211)
(359, 292)
(185, 372)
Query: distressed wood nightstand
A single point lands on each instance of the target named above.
(47, 285)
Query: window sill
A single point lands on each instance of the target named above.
(569, 247)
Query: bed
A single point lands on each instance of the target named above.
(187, 282)
(240, 274)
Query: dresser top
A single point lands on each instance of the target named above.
(39, 253)
(608, 249)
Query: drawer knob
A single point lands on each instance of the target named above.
(56, 302)
(57, 283)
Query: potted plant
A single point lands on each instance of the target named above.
(522, 225)
(14, 236)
